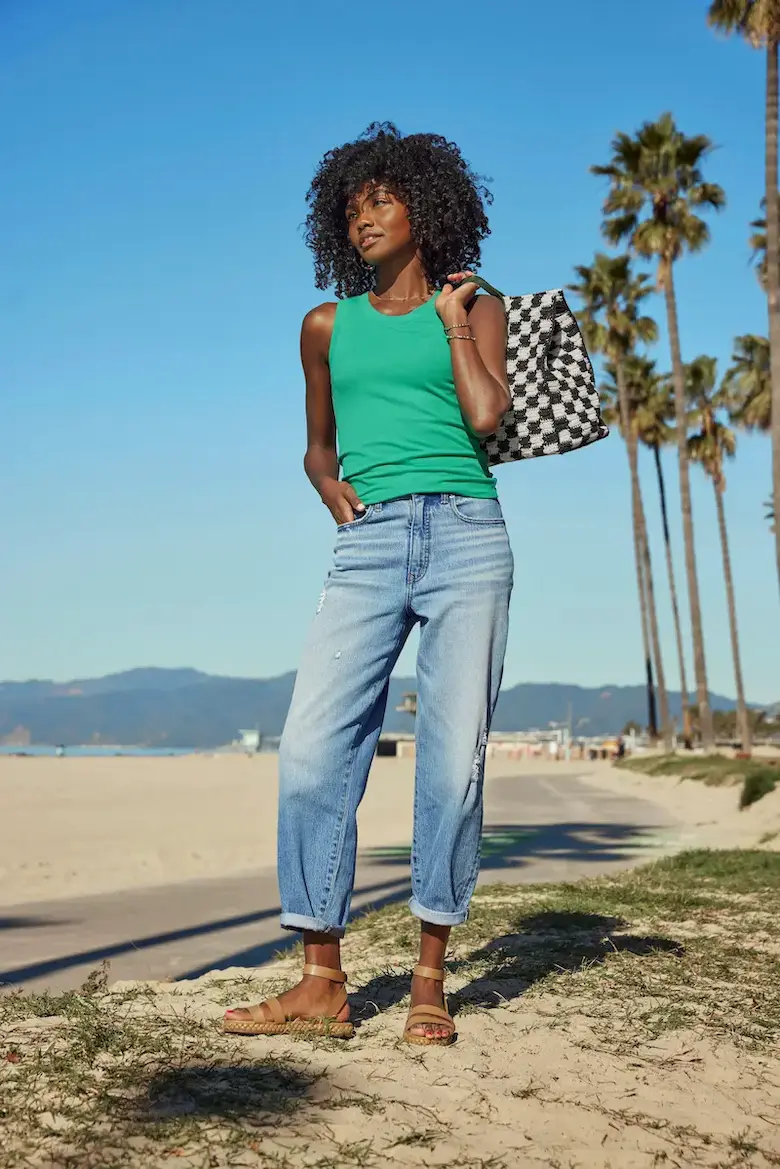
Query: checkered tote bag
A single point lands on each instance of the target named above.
(555, 403)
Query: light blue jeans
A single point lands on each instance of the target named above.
(443, 561)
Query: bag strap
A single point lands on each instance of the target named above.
(483, 284)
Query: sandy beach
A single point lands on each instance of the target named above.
(77, 826)
(627, 1021)
(73, 827)
(708, 817)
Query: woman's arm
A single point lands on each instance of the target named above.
(478, 366)
(321, 459)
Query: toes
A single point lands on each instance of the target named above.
(430, 1031)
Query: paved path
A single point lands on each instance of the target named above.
(538, 827)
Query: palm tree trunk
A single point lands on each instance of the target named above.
(773, 270)
(699, 661)
(686, 712)
(743, 722)
(644, 566)
(652, 713)
(652, 617)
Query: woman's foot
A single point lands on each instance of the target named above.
(314, 997)
(428, 992)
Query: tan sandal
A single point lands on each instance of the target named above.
(280, 1024)
(433, 1016)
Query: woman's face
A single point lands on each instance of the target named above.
(378, 224)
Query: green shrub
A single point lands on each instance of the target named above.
(759, 783)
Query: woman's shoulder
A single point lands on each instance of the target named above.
(321, 314)
(318, 322)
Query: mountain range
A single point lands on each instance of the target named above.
(187, 708)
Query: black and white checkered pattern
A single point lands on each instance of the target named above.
(555, 403)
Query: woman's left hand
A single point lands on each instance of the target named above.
(451, 302)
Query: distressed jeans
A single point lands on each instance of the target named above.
(443, 562)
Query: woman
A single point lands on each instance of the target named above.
(404, 382)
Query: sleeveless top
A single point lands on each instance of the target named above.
(400, 429)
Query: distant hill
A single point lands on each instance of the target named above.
(186, 708)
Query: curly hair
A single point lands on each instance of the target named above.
(444, 198)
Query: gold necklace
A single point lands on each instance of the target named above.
(377, 296)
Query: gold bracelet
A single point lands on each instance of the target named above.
(461, 337)
(449, 328)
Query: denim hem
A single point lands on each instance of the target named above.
(435, 918)
(296, 921)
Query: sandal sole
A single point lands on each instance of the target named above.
(300, 1027)
(422, 1041)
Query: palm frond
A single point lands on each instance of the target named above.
(710, 446)
(655, 189)
(747, 386)
(756, 20)
(612, 296)
(758, 245)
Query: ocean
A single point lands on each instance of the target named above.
(269, 746)
(97, 752)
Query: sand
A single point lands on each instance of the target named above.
(537, 1079)
(708, 817)
(71, 827)
(529, 1083)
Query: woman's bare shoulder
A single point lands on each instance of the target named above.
(319, 320)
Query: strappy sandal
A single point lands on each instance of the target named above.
(432, 1016)
(280, 1024)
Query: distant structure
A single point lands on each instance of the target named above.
(408, 704)
(250, 741)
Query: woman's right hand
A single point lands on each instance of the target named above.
(341, 500)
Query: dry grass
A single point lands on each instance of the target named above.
(629, 1021)
(758, 777)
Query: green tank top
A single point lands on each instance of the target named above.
(399, 425)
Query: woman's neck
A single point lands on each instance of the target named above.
(402, 279)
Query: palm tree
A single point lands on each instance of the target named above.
(758, 21)
(612, 296)
(651, 407)
(710, 447)
(609, 393)
(747, 386)
(654, 411)
(758, 245)
(656, 189)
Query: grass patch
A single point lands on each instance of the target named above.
(96, 1080)
(757, 784)
(680, 943)
(757, 776)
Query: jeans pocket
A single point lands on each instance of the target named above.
(476, 511)
(358, 521)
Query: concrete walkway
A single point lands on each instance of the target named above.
(544, 826)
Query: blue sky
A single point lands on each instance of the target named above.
(156, 155)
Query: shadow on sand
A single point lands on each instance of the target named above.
(261, 1089)
(543, 944)
(513, 846)
(505, 847)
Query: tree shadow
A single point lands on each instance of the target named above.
(553, 942)
(376, 996)
(510, 846)
(261, 1089)
(18, 921)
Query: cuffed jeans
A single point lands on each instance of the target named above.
(443, 561)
